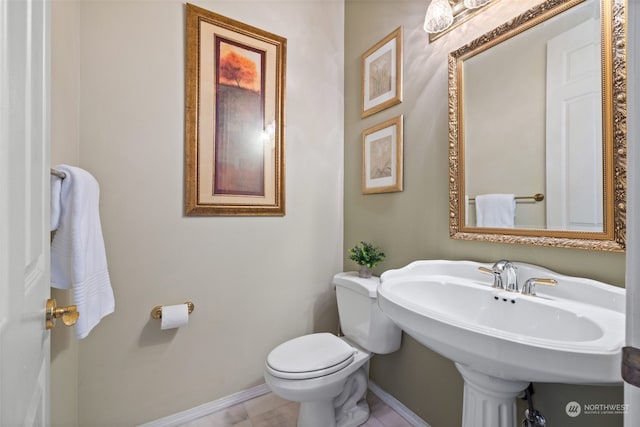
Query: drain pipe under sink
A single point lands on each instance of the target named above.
(532, 417)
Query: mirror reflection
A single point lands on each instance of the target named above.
(533, 151)
(532, 115)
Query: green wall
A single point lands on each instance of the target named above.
(413, 224)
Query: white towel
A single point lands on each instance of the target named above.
(56, 188)
(78, 258)
(466, 210)
(495, 210)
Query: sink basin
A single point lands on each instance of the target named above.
(500, 340)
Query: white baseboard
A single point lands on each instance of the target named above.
(242, 396)
(397, 406)
(209, 408)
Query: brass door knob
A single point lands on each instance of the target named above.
(69, 314)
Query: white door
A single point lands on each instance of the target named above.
(574, 131)
(24, 210)
(631, 392)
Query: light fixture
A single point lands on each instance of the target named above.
(445, 15)
(439, 16)
(474, 4)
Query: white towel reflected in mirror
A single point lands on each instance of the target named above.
(496, 210)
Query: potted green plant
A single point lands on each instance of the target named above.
(366, 256)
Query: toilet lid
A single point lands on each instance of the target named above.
(310, 356)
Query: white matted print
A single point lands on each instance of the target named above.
(382, 157)
(382, 74)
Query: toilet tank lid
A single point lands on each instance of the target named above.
(351, 280)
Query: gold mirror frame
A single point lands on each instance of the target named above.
(614, 86)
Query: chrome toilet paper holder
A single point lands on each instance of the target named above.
(156, 312)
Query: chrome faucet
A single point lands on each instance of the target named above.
(508, 271)
(504, 275)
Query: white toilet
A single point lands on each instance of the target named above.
(326, 374)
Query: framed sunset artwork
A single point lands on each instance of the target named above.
(234, 133)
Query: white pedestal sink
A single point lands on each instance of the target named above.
(501, 341)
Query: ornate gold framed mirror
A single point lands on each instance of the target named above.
(537, 129)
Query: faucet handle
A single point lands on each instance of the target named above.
(497, 277)
(529, 287)
(485, 270)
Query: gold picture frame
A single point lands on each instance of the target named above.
(234, 114)
(382, 74)
(612, 238)
(382, 151)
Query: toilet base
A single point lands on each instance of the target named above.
(319, 413)
(351, 407)
(348, 409)
(322, 414)
(356, 416)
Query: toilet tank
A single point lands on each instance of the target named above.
(361, 320)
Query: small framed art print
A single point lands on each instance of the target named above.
(382, 157)
(382, 74)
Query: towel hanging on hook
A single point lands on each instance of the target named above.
(78, 255)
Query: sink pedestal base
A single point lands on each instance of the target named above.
(489, 401)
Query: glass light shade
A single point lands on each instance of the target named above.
(439, 16)
(474, 4)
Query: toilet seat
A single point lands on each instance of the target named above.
(309, 356)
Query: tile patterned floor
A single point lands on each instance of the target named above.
(270, 410)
